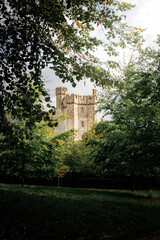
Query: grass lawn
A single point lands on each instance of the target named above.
(45, 213)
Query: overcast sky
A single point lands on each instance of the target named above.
(146, 14)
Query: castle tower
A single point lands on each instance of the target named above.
(80, 111)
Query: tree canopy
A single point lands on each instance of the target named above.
(135, 109)
(60, 34)
(38, 33)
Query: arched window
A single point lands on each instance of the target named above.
(82, 124)
(82, 109)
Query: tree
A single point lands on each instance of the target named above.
(35, 34)
(135, 109)
(28, 157)
(17, 140)
(70, 155)
(105, 143)
(78, 159)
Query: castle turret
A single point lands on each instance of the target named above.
(61, 92)
(94, 92)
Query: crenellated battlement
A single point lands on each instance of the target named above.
(80, 100)
(74, 98)
(61, 91)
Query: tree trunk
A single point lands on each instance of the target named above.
(58, 182)
(133, 182)
(22, 173)
(23, 165)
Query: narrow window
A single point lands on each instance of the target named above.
(82, 109)
(82, 124)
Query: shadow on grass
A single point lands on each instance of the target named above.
(73, 214)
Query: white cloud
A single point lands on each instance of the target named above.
(53, 100)
(146, 15)
(52, 82)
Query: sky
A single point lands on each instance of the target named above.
(146, 14)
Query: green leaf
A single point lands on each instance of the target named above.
(47, 99)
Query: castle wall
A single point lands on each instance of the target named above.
(76, 116)
(70, 118)
(80, 111)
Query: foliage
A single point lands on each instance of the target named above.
(61, 146)
(36, 34)
(58, 34)
(24, 102)
(78, 159)
(105, 143)
(28, 157)
(43, 155)
(135, 109)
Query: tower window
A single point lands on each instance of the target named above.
(82, 124)
(82, 109)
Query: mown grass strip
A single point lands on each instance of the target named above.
(35, 212)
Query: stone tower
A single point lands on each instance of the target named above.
(79, 111)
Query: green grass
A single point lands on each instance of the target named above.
(74, 214)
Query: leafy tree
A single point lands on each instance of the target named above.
(36, 34)
(78, 159)
(105, 144)
(68, 154)
(26, 111)
(74, 156)
(28, 157)
(135, 109)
